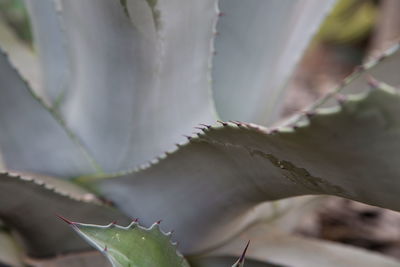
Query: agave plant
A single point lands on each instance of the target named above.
(124, 80)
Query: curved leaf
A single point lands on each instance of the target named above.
(341, 151)
(29, 206)
(21, 55)
(50, 41)
(132, 245)
(290, 250)
(258, 47)
(31, 137)
(138, 82)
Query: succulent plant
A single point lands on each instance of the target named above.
(124, 80)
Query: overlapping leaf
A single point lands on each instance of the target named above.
(258, 47)
(29, 206)
(50, 42)
(32, 139)
(140, 75)
(226, 171)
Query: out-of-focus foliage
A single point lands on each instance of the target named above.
(349, 21)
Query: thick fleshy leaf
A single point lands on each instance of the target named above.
(295, 251)
(32, 139)
(258, 47)
(21, 55)
(139, 80)
(50, 41)
(9, 252)
(132, 245)
(29, 206)
(341, 151)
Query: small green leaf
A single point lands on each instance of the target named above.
(132, 245)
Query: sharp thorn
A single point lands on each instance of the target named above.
(223, 123)
(105, 249)
(188, 137)
(205, 125)
(159, 221)
(341, 99)
(372, 82)
(241, 259)
(65, 220)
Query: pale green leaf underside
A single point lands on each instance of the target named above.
(258, 47)
(206, 187)
(30, 206)
(9, 252)
(133, 245)
(295, 251)
(31, 138)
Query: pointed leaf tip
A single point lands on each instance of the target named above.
(241, 259)
(65, 220)
(240, 262)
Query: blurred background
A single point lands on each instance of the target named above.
(354, 31)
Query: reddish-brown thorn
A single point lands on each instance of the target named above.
(309, 114)
(105, 249)
(65, 219)
(221, 14)
(381, 58)
(188, 137)
(158, 222)
(200, 128)
(136, 220)
(359, 68)
(114, 222)
(341, 99)
(241, 259)
(205, 125)
(372, 81)
(223, 123)
(216, 33)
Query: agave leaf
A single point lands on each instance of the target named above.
(21, 55)
(49, 40)
(138, 82)
(132, 245)
(289, 250)
(30, 206)
(32, 139)
(259, 45)
(9, 253)
(337, 151)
